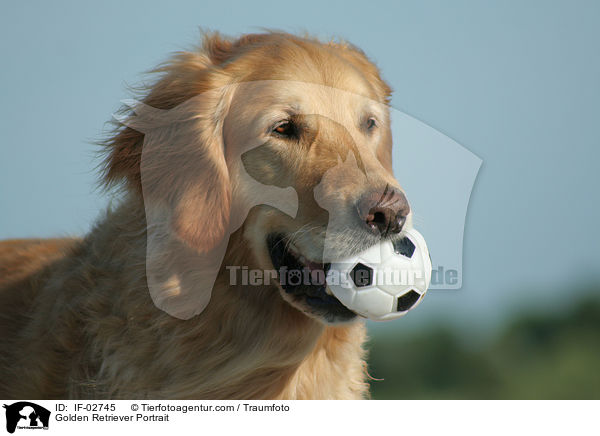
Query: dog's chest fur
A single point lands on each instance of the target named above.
(95, 333)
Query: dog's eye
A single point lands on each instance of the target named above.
(286, 129)
(371, 124)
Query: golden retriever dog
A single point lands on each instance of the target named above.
(152, 303)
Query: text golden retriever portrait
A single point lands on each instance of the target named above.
(270, 152)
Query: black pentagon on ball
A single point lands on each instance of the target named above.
(404, 246)
(362, 275)
(407, 301)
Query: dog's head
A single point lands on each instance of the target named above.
(279, 111)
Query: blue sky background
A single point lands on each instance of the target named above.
(517, 83)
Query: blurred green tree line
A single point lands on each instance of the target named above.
(535, 356)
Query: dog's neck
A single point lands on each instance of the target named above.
(247, 343)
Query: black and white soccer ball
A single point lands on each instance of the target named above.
(386, 280)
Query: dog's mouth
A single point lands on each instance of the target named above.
(304, 281)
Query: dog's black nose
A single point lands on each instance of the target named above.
(384, 211)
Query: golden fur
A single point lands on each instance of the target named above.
(77, 320)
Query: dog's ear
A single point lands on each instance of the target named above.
(195, 175)
(172, 152)
(360, 60)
